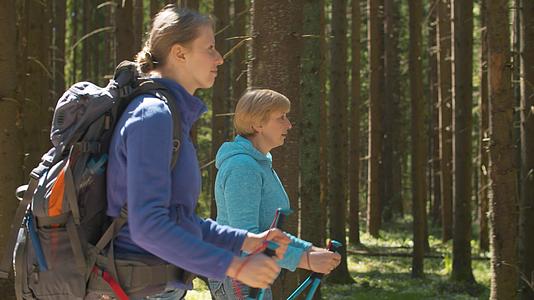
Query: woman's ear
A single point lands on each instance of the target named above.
(177, 52)
(258, 128)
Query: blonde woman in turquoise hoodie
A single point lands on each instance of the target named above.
(248, 191)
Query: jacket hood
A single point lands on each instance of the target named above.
(241, 145)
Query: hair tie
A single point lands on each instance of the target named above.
(151, 57)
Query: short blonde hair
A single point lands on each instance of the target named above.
(256, 106)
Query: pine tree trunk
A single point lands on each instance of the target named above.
(387, 108)
(435, 181)
(323, 136)
(124, 31)
(503, 199)
(138, 18)
(221, 124)
(88, 45)
(35, 86)
(154, 8)
(375, 118)
(484, 135)
(239, 57)
(276, 28)
(12, 153)
(462, 12)
(191, 4)
(418, 139)
(313, 64)
(392, 65)
(58, 53)
(355, 106)
(338, 135)
(526, 224)
(445, 115)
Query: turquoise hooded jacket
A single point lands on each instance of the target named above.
(248, 192)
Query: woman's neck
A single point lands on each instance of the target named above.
(258, 143)
(176, 76)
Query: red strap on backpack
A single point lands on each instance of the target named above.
(119, 292)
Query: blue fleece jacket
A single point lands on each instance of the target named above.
(161, 202)
(248, 192)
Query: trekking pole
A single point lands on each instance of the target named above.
(279, 219)
(315, 278)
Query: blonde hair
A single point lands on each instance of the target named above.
(255, 107)
(172, 25)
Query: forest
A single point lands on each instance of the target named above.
(412, 139)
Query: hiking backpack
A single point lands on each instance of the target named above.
(60, 234)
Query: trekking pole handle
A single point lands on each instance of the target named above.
(333, 246)
(279, 219)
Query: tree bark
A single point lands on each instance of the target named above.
(462, 12)
(11, 154)
(354, 159)
(445, 115)
(387, 172)
(503, 167)
(276, 28)
(418, 139)
(221, 125)
(484, 135)
(239, 57)
(138, 20)
(526, 224)
(58, 53)
(124, 31)
(338, 135)
(435, 181)
(312, 93)
(375, 39)
(38, 108)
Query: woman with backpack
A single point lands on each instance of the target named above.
(161, 222)
(247, 190)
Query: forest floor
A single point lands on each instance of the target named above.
(381, 269)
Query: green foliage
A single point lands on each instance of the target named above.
(389, 278)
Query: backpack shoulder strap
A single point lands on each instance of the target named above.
(151, 87)
(7, 259)
(161, 92)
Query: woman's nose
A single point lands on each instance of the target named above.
(219, 59)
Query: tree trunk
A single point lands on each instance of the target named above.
(338, 135)
(354, 159)
(191, 4)
(276, 28)
(526, 224)
(462, 123)
(392, 79)
(124, 31)
(484, 135)
(445, 115)
(221, 125)
(323, 139)
(35, 86)
(389, 49)
(58, 53)
(154, 8)
(503, 199)
(418, 139)
(435, 180)
(138, 20)
(375, 118)
(313, 67)
(11, 156)
(239, 57)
